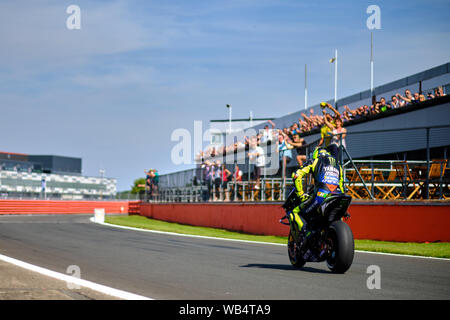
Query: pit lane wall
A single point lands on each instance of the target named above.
(63, 206)
(387, 221)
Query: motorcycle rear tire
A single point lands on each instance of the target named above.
(343, 247)
(294, 255)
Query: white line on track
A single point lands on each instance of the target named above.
(69, 279)
(256, 242)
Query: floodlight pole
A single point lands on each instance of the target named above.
(335, 78)
(371, 64)
(306, 88)
(229, 113)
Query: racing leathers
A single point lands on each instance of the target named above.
(328, 179)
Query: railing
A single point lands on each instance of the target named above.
(272, 189)
(363, 179)
(396, 179)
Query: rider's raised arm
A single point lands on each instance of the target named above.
(299, 174)
(336, 113)
(329, 124)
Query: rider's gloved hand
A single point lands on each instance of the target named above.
(304, 197)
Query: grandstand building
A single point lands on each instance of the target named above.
(403, 133)
(50, 177)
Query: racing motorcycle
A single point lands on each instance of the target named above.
(325, 238)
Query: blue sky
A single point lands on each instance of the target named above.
(114, 91)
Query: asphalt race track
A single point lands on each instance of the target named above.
(161, 266)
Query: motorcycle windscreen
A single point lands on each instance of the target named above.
(292, 200)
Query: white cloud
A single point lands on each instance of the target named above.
(36, 32)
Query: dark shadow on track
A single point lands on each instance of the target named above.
(284, 267)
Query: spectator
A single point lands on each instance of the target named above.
(326, 131)
(257, 154)
(226, 177)
(308, 120)
(339, 131)
(332, 131)
(422, 98)
(258, 138)
(436, 93)
(155, 182)
(356, 114)
(148, 183)
(267, 135)
(208, 176)
(383, 106)
(407, 99)
(365, 110)
(395, 103)
(303, 125)
(439, 92)
(237, 176)
(237, 173)
(347, 116)
(284, 149)
(246, 143)
(299, 144)
(294, 129)
(217, 176)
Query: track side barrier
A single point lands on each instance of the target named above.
(401, 222)
(246, 218)
(386, 221)
(390, 221)
(62, 206)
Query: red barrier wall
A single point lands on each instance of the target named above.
(61, 206)
(415, 222)
(388, 221)
(248, 218)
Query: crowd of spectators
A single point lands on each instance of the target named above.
(330, 124)
(331, 127)
(216, 176)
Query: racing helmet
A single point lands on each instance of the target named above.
(320, 152)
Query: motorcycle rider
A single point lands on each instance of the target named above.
(328, 179)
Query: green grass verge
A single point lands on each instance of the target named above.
(439, 250)
(151, 224)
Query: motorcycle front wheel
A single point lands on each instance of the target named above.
(342, 247)
(294, 253)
